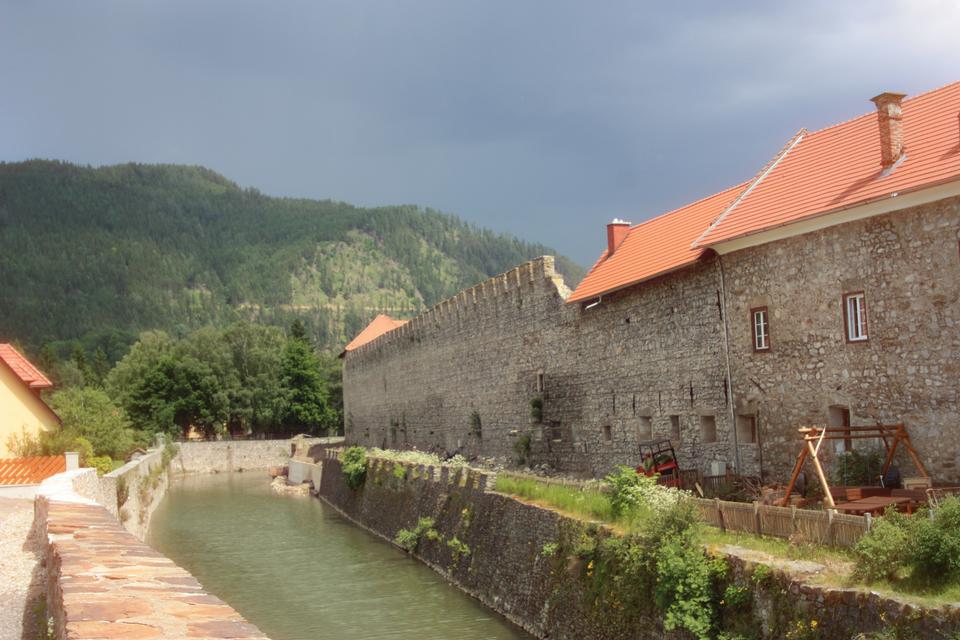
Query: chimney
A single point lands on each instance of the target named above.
(889, 117)
(616, 233)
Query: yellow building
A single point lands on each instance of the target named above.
(21, 407)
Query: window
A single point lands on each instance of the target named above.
(675, 428)
(540, 382)
(761, 329)
(708, 429)
(855, 316)
(645, 428)
(747, 429)
(607, 433)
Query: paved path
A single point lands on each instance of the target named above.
(18, 562)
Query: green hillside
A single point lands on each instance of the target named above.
(100, 254)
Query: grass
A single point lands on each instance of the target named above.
(582, 503)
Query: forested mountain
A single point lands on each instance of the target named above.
(100, 254)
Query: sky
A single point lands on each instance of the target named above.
(541, 118)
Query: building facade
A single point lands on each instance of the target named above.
(22, 410)
(825, 290)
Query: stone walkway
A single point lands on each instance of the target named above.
(19, 569)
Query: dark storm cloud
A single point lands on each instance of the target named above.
(545, 119)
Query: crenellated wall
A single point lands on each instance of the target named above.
(461, 377)
(653, 360)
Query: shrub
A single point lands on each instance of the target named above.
(353, 462)
(458, 547)
(399, 471)
(410, 539)
(103, 464)
(521, 447)
(684, 586)
(536, 409)
(476, 426)
(123, 492)
(549, 549)
(855, 468)
(937, 545)
(887, 549)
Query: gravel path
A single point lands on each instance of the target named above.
(21, 576)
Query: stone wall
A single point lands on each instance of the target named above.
(652, 360)
(506, 566)
(225, 456)
(461, 377)
(908, 265)
(134, 491)
(102, 582)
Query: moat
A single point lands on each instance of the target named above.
(298, 570)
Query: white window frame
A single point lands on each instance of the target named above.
(855, 317)
(761, 329)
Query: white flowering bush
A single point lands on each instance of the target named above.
(417, 457)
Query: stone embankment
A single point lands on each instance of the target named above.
(227, 456)
(520, 560)
(102, 582)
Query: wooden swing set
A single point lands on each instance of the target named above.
(813, 438)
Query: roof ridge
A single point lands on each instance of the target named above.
(909, 98)
(758, 178)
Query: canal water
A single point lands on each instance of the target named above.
(299, 570)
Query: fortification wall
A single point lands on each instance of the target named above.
(461, 377)
(501, 559)
(907, 264)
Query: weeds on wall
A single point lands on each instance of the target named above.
(353, 462)
(409, 539)
(536, 409)
(521, 448)
(123, 492)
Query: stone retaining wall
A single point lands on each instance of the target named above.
(102, 582)
(507, 569)
(225, 456)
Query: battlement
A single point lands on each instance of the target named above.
(473, 301)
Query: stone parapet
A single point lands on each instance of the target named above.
(102, 582)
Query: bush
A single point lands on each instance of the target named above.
(937, 546)
(521, 447)
(354, 465)
(887, 550)
(855, 468)
(103, 464)
(410, 539)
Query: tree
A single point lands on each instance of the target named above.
(89, 413)
(306, 402)
(180, 393)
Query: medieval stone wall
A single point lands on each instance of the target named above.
(462, 377)
(907, 264)
(651, 361)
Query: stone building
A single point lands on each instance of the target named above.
(824, 290)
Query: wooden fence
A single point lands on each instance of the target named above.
(815, 527)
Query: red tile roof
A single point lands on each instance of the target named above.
(839, 167)
(377, 327)
(814, 174)
(24, 369)
(32, 470)
(655, 247)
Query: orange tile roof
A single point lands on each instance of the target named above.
(33, 470)
(839, 167)
(28, 373)
(814, 174)
(377, 327)
(655, 247)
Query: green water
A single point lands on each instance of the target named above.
(298, 570)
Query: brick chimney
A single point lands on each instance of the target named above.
(616, 233)
(890, 119)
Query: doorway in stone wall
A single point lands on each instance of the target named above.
(839, 416)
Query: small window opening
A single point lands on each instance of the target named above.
(645, 428)
(675, 428)
(761, 329)
(540, 382)
(607, 433)
(747, 429)
(708, 429)
(855, 316)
